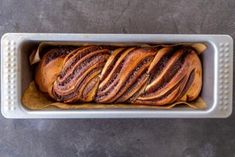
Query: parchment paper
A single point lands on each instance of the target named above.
(33, 99)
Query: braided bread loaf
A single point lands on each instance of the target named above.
(139, 75)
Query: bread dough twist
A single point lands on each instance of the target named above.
(139, 75)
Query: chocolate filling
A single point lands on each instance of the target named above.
(76, 57)
(57, 52)
(160, 65)
(188, 84)
(167, 93)
(135, 85)
(116, 72)
(83, 67)
(73, 93)
(134, 72)
(114, 77)
(109, 69)
(131, 77)
(172, 72)
(90, 86)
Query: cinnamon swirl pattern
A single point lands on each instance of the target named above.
(138, 75)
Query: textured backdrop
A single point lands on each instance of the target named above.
(118, 137)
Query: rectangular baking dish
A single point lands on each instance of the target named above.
(217, 75)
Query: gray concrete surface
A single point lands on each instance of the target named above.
(118, 137)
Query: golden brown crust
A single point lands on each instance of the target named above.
(49, 68)
(150, 76)
(128, 72)
(79, 70)
(171, 77)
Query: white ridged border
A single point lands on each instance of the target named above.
(223, 75)
(9, 79)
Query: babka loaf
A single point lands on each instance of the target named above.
(139, 75)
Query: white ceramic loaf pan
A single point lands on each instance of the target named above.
(217, 61)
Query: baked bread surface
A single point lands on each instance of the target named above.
(139, 75)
